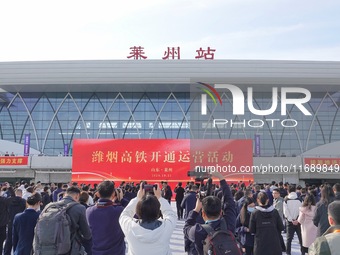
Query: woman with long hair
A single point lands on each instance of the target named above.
(321, 215)
(266, 224)
(308, 229)
(242, 224)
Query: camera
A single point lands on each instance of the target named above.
(205, 190)
(149, 188)
(199, 176)
(117, 191)
(201, 195)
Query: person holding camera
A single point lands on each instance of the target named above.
(217, 215)
(149, 234)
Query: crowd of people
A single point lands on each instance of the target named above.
(138, 218)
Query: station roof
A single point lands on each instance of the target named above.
(163, 75)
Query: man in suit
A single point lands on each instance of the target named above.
(24, 224)
(189, 200)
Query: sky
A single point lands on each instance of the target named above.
(106, 29)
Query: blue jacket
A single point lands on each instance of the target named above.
(245, 238)
(107, 236)
(23, 231)
(55, 194)
(188, 203)
(194, 231)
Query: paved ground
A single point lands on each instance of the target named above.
(177, 239)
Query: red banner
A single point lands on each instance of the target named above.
(13, 161)
(322, 161)
(158, 159)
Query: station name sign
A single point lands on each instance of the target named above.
(138, 52)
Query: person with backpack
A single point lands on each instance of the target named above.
(216, 236)
(266, 224)
(24, 224)
(242, 226)
(71, 237)
(329, 242)
(103, 219)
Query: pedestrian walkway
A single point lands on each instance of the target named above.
(177, 239)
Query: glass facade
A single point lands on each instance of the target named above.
(55, 119)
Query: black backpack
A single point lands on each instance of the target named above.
(220, 241)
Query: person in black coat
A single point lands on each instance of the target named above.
(189, 200)
(166, 192)
(179, 198)
(4, 217)
(320, 219)
(266, 224)
(24, 224)
(80, 230)
(242, 226)
(46, 198)
(16, 205)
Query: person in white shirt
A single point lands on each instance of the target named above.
(291, 212)
(28, 193)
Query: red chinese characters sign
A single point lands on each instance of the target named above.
(156, 159)
(13, 161)
(322, 161)
(137, 52)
